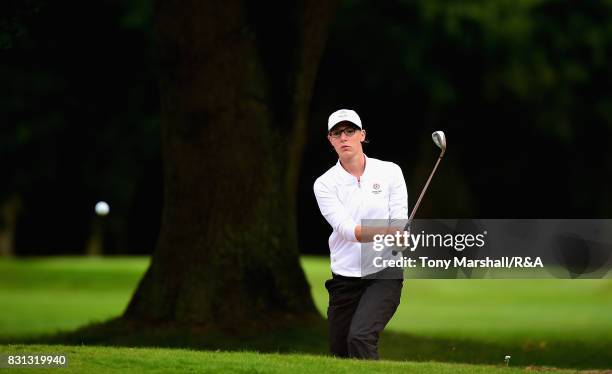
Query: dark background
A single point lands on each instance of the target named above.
(521, 89)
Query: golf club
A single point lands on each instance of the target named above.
(440, 140)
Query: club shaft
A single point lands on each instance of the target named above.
(416, 206)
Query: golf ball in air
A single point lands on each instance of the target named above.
(102, 208)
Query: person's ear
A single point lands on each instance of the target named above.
(363, 135)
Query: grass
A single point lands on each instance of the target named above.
(44, 295)
(495, 310)
(562, 323)
(156, 360)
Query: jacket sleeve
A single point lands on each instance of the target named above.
(398, 196)
(334, 212)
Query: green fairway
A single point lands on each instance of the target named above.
(136, 360)
(497, 310)
(43, 295)
(563, 323)
(49, 294)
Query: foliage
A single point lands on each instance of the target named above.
(79, 109)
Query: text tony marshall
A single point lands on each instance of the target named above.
(461, 262)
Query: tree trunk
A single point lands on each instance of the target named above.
(236, 82)
(95, 243)
(8, 225)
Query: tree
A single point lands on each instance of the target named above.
(236, 81)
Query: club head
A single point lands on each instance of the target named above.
(440, 140)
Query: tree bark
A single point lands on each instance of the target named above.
(95, 243)
(8, 225)
(236, 82)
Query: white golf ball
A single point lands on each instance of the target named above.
(102, 208)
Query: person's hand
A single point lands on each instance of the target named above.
(407, 228)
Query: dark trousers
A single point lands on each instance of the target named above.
(358, 311)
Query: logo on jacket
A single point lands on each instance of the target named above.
(376, 188)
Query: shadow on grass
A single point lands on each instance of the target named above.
(312, 339)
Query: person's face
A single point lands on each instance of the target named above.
(346, 139)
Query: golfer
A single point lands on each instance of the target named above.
(356, 188)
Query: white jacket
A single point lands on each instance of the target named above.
(380, 193)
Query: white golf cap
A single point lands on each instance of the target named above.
(341, 116)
